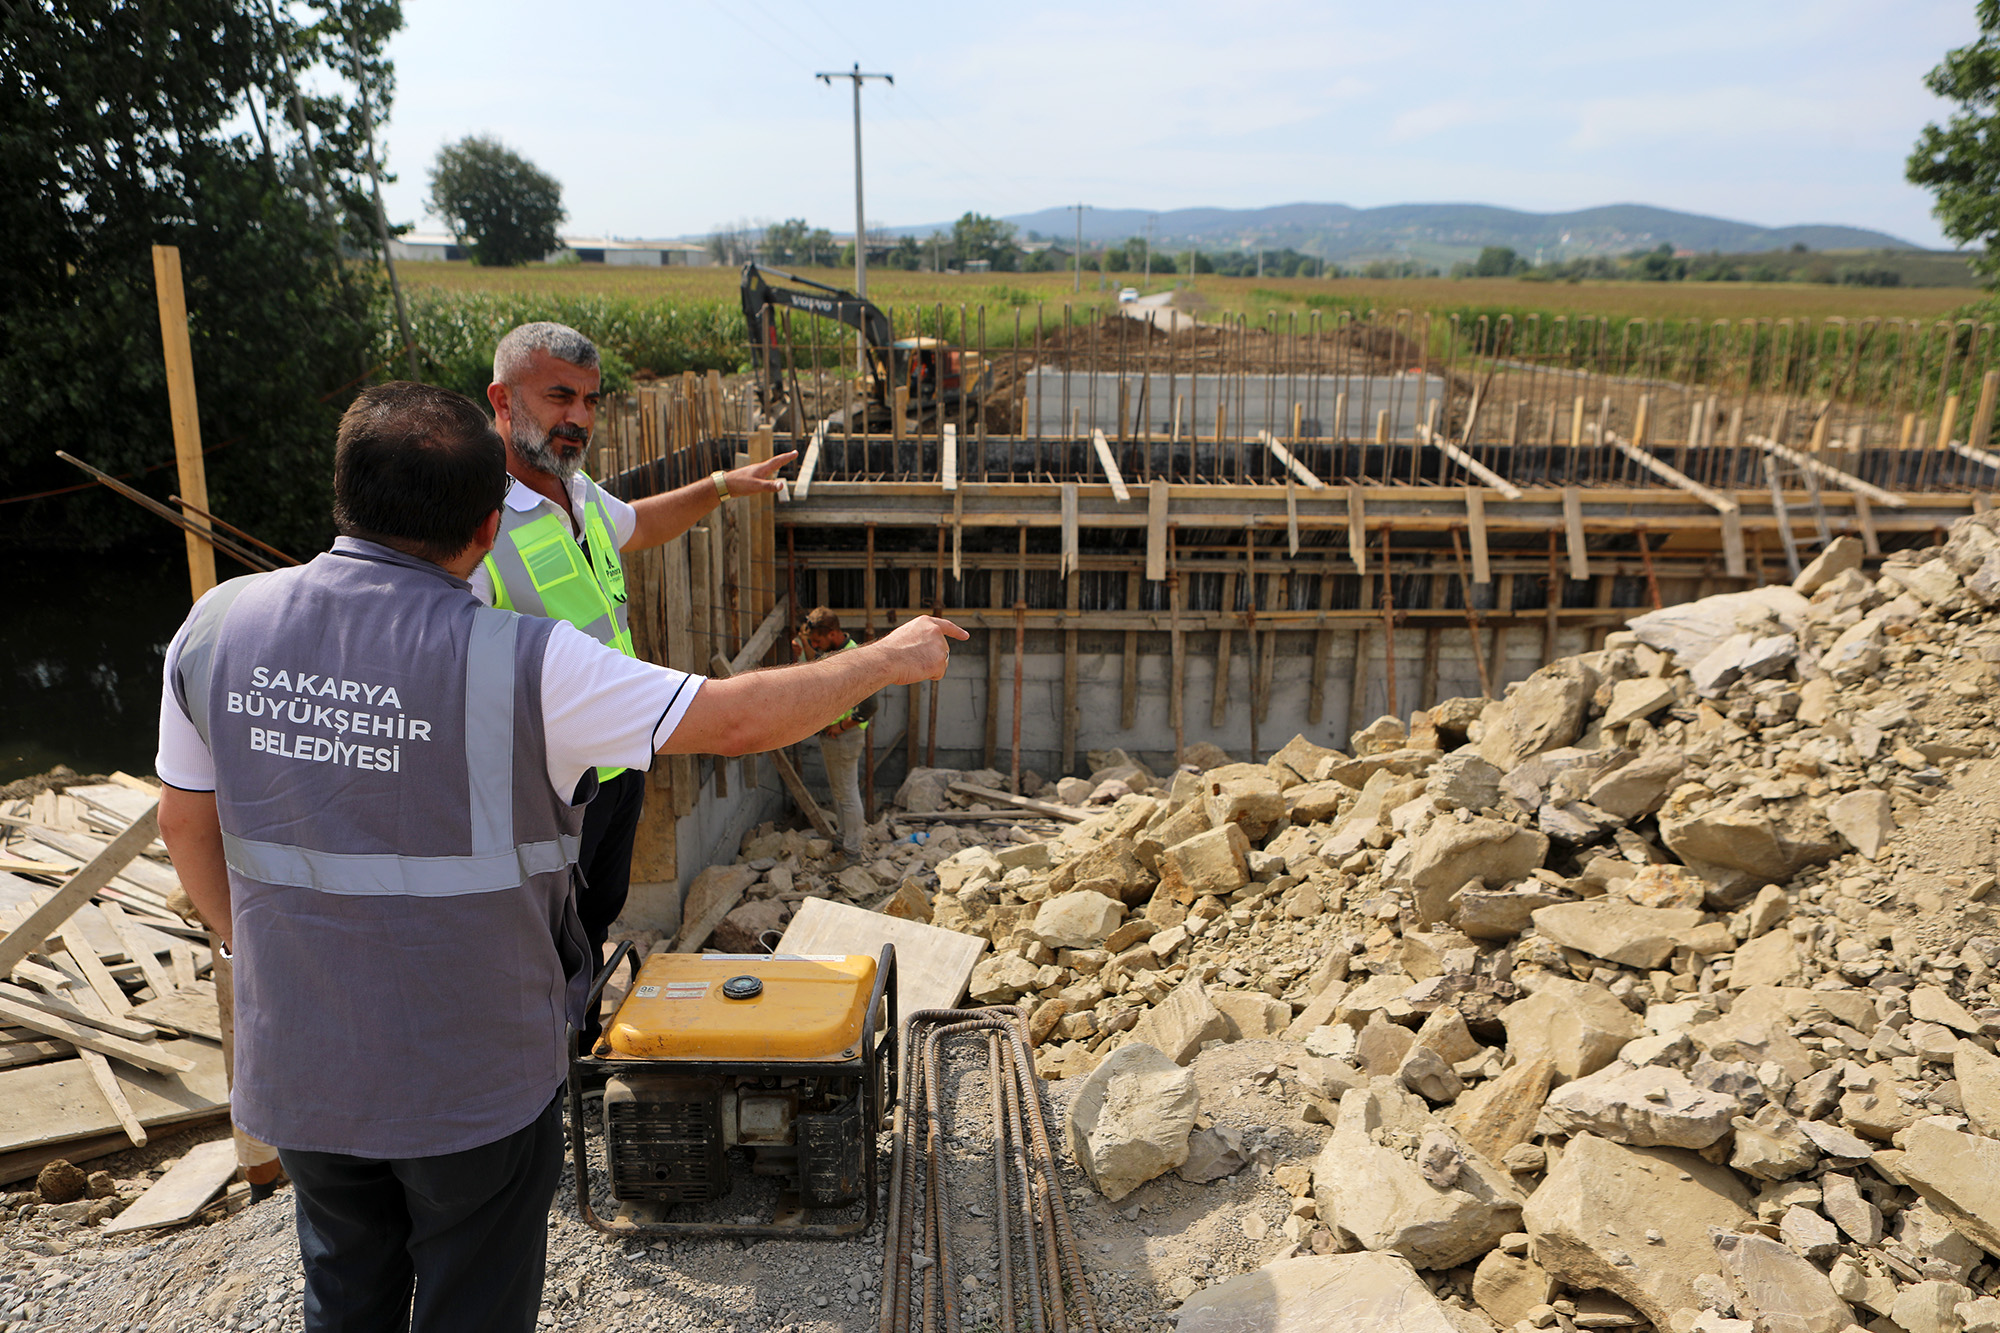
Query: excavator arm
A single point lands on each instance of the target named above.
(761, 304)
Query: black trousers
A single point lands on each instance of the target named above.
(465, 1233)
(610, 824)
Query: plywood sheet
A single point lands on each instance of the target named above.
(181, 1193)
(55, 1102)
(932, 965)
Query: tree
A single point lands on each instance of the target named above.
(1959, 161)
(501, 207)
(976, 236)
(179, 122)
(786, 241)
(1498, 261)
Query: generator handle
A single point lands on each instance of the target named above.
(597, 983)
(885, 976)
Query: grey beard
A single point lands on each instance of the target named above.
(538, 450)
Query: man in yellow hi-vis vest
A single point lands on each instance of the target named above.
(558, 556)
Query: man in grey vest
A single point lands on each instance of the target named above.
(375, 790)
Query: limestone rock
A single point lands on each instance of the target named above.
(927, 789)
(1179, 1024)
(1212, 1154)
(1076, 920)
(1111, 868)
(1501, 1113)
(1540, 713)
(1365, 1184)
(1000, 978)
(1130, 1119)
(1622, 932)
(1850, 1210)
(1315, 802)
(1743, 837)
(1864, 818)
(1320, 1292)
(1652, 1107)
(1448, 855)
(963, 867)
(1487, 915)
(1634, 790)
(1508, 1286)
(1662, 886)
(1808, 1234)
(1429, 1075)
(1959, 1174)
(1251, 1015)
(1978, 1073)
(1245, 794)
(1930, 1307)
(1779, 1289)
(742, 930)
(1215, 861)
(1771, 1145)
(1463, 780)
(909, 902)
(1578, 1026)
(1692, 630)
(1639, 697)
(1297, 760)
(1587, 1223)
(1768, 960)
(1841, 554)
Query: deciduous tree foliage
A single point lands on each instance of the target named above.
(1959, 161)
(502, 208)
(112, 140)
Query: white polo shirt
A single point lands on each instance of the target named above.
(525, 499)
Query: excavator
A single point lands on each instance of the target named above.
(943, 382)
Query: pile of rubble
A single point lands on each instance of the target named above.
(1622, 998)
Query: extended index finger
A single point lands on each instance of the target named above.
(951, 630)
(771, 465)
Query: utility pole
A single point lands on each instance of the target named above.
(1147, 281)
(860, 223)
(1079, 244)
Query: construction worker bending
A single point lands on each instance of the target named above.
(842, 741)
(561, 535)
(375, 797)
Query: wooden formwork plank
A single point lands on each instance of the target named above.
(1156, 529)
(1579, 549)
(1475, 516)
(1290, 463)
(948, 457)
(1102, 448)
(1357, 529)
(1864, 514)
(1808, 463)
(1734, 561)
(1129, 680)
(1219, 698)
(1069, 528)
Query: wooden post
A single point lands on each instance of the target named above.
(1388, 624)
(1322, 647)
(1475, 516)
(1472, 619)
(1555, 599)
(1156, 529)
(1129, 698)
(1579, 549)
(1357, 686)
(1071, 589)
(1176, 704)
(182, 409)
(868, 629)
(995, 580)
(1219, 702)
(1020, 650)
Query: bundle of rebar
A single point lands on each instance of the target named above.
(1031, 1223)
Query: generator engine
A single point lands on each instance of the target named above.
(776, 1055)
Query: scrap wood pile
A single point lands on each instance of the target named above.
(108, 1019)
(1661, 992)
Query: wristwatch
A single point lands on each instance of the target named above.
(721, 480)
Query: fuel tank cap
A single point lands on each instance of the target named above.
(744, 987)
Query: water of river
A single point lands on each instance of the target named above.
(80, 653)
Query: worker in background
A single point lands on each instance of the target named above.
(375, 792)
(561, 535)
(841, 741)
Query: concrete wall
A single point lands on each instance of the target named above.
(707, 835)
(1100, 676)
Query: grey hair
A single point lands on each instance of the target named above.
(560, 341)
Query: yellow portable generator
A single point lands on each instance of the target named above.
(785, 1060)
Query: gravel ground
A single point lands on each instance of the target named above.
(237, 1268)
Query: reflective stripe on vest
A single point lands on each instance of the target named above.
(538, 569)
(495, 862)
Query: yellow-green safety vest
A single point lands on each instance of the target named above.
(538, 569)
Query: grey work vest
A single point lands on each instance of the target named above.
(407, 946)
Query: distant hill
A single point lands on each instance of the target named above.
(1436, 231)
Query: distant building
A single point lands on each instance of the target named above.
(417, 246)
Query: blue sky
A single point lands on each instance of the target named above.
(669, 119)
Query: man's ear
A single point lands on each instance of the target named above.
(488, 534)
(496, 394)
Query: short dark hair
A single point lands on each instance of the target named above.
(821, 620)
(417, 468)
